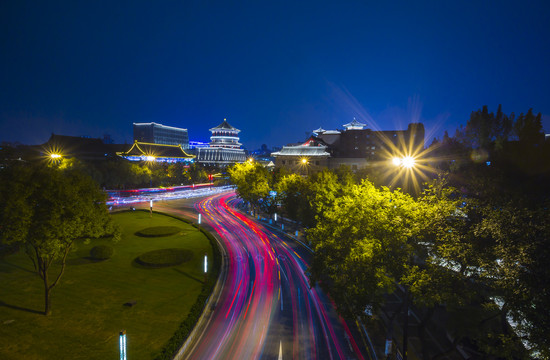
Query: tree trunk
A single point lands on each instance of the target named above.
(47, 305)
(422, 331)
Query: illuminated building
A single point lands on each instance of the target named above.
(307, 158)
(224, 148)
(355, 146)
(140, 151)
(154, 133)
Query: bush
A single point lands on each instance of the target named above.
(101, 252)
(164, 257)
(158, 231)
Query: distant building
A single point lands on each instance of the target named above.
(79, 147)
(140, 151)
(154, 133)
(304, 159)
(197, 144)
(224, 148)
(355, 146)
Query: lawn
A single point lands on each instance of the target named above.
(88, 309)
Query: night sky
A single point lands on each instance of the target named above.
(275, 70)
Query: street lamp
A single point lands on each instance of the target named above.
(304, 162)
(406, 161)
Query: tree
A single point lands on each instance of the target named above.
(44, 210)
(363, 244)
(252, 181)
(528, 128)
(521, 277)
(294, 193)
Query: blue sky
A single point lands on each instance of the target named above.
(275, 70)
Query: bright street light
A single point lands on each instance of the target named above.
(150, 158)
(304, 161)
(408, 161)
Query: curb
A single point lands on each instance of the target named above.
(209, 309)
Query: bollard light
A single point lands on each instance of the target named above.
(199, 219)
(122, 344)
(205, 263)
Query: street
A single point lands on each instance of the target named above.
(266, 308)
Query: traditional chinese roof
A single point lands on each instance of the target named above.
(354, 125)
(225, 126)
(156, 150)
(79, 147)
(319, 131)
(303, 150)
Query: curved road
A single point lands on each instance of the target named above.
(266, 309)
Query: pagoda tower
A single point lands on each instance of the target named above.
(224, 148)
(225, 136)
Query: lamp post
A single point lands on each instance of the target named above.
(407, 162)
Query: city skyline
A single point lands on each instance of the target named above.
(275, 71)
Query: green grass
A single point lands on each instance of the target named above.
(87, 305)
(165, 257)
(159, 231)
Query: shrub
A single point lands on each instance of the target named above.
(158, 231)
(101, 252)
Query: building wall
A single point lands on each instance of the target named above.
(220, 156)
(294, 164)
(159, 134)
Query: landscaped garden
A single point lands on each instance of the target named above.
(146, 284)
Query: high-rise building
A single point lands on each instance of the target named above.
(161, 134)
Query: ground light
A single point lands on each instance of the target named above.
(122, 344)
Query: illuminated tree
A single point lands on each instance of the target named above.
(252, 181)
(45, 210)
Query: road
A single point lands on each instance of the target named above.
(266, 309)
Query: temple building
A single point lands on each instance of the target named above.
(154, 133)
(355, 146)
(224, 148)
(304, 159)
(141, 151)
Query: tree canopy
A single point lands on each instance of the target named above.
(44, 209)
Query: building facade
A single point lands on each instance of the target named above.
(154, 133)
(224, 148)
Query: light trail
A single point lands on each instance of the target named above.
(249, 322)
